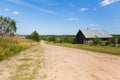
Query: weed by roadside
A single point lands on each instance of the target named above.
(103, 49)
(13, 45)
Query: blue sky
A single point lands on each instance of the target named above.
(59, 17)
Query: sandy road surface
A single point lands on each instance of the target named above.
(72, 64)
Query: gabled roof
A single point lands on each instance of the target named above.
(95, 33)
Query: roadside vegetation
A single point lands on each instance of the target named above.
(34, 36)
(94, 45)
(10, 46)
(103, 49)
(58, 38)
(34, 58)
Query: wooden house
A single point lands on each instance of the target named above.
(85, 36)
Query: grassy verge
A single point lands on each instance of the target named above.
(31, 66)
(13, 45)
(103, 49)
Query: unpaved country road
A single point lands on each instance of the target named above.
(72, 64)
(60, 63)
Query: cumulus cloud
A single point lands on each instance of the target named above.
(93, 25)
(107, 2)
(6, 9)
(73, 19)
(15, 12)
(83, 9)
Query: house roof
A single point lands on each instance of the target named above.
(95, 33)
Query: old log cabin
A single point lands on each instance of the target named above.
(85, 36)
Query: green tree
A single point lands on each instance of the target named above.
(34, 36)
(7, 26)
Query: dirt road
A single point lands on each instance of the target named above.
(72, 64)
(60, 63)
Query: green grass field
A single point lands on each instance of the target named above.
(102, 49)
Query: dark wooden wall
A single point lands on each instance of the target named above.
(80, 39)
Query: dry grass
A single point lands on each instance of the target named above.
(10, 46)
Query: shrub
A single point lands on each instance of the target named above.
(96, 41)
(67, 39)
(34, 36)
(57, 40)
(51, 38)
(109, 42)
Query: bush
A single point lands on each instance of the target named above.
(51, 38)
(57, 40)
(67, 39)
(96, 41)
(34, 36)
(109, 42)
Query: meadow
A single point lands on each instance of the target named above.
(10, 46)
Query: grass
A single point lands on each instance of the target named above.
(13, 45)
(102, 49)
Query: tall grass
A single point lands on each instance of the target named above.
(13, 45)
(103, 49)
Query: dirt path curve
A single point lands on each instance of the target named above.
(72, 64)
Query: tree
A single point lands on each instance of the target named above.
(34, 36)
(7, 26)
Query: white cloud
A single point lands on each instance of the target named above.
(83, 9)
(6, 9)
(93, 25)
(15, 12)
(107, 2)
(73, 19)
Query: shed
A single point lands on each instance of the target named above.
(84, 36)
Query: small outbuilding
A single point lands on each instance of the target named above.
(85, 36)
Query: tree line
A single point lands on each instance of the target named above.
(70, 39)
(58, 38)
